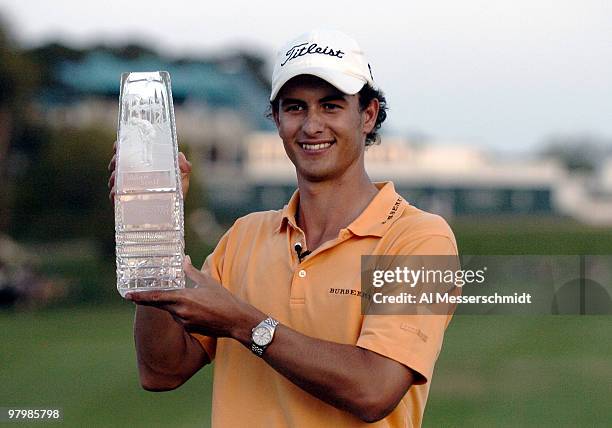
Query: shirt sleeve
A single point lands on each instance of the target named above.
(412, 340)
(213, 265)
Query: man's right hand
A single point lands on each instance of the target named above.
(184, 166)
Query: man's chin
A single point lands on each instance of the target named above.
(314, 176)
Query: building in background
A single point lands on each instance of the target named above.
(450, 179)
(220, 107)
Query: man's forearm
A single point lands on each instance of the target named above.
(167, 356)
(350, 378)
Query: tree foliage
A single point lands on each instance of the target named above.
(63, 195)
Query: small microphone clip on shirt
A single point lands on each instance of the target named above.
(298, 250)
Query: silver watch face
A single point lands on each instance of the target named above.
(262, 336)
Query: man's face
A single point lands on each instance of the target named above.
(323, 130)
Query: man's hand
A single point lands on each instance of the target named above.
(209, 309)
(184, 166)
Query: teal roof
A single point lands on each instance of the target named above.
(205, 82)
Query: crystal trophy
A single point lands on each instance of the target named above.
(149, 227)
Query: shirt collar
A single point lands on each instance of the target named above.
(382, 211)
(289, 211)
(379, 215)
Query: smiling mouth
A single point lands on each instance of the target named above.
(315, 147)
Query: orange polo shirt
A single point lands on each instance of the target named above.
(257, 262)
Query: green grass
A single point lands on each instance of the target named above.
(493, 371)
(523, 371)
(530, 235)
(83, 360)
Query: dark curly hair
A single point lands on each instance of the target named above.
(366, 95)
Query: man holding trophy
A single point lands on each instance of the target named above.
(276, 305)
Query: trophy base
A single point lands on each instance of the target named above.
(175, 285)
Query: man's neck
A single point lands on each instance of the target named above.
(326, 207)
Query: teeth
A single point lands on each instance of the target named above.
(316, 146)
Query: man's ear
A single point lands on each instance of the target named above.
(370, 113)
(275, 117)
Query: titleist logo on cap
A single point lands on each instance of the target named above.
(312, 48)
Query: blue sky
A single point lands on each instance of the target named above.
(502, 74)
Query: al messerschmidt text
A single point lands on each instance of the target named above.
(431, 298)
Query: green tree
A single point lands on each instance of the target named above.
(17, 82)
(64, 194)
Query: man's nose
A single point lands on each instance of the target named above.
(313, 123)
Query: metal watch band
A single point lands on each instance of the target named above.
(271, 322)
(257, 350)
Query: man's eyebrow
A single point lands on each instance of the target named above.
(335, 97)
(292, 101)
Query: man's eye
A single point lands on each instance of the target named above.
(330, 106)
(294, 107)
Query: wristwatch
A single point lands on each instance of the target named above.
(262, 335)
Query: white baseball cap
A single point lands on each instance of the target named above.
(329, 54)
